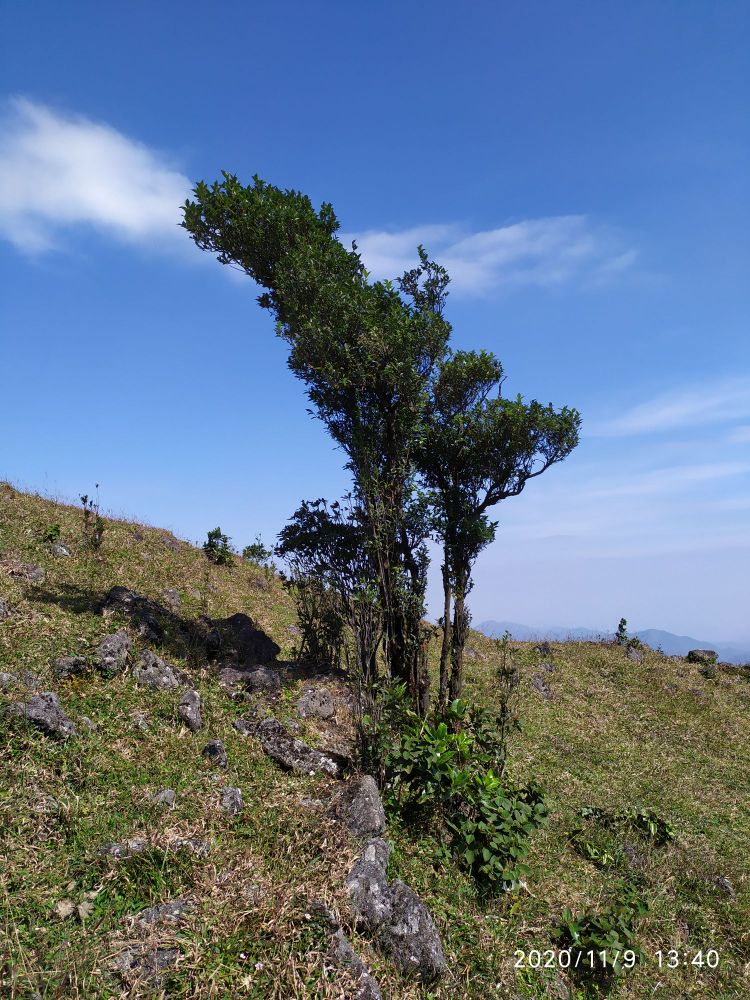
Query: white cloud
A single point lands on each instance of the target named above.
(58, 171)
(541, 252)
(701, 404)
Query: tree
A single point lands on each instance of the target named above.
(477, 451)
(366, 352)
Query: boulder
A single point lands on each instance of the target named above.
(295, 755)
(154, 672)
(231, 801)
(367, 885)
(215, 752)
(44, 711)
(344, 956)
(65, 667)
(316, 703)
(634, 654)
(704, 656)
(142, 611)
(60, 550)
(541, 687)
(165, 797)
(113, 653)
(28, 571)
(359, 807)
(245, 727)
(189, 710)
(172, 598)
(237, 638)
(258, 679)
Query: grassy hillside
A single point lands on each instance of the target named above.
(599, 730)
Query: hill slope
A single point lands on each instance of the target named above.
(599, 730)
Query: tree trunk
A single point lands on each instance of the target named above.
(445, 649)
(458, 638)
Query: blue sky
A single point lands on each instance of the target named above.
(582, 170)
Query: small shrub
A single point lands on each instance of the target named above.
(257, 553)
(218, 548)
(93, 522)
(52, 534)
(382, 713)
(621, 635)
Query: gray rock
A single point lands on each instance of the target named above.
(28, 571)
(124, 850)
(143, 612)
(169, 912)
(113, 654)
(60, 550)
(189, 710)
(541, 687)
(394, 913)
(410, 935)
(144, 961)
(231, 801)
(65, 667)
(191, 844)
(87, 723)
(295, 755)
(172, 598)
(245, 727)
(43, 710)
(547, 666)
(165, 797)
(216, 753)
(154, 672)
(359, 807)
(261, 680)
(8, 681)
(238, 638)
(5, 610)
(705, 656)
(724, 885)
(171, 542)
(140, 721)
(634, 654)
(316, 703)
(343, 955)
(544, 648)
(29, 679)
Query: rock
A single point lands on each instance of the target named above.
(359, 807)
(65, 667)
(543, 648)
(143, 961)
(171, 542)
(238, 638)
(43, 710)
(189, 710)
(343, 955)
(394, 913)
(113, 653)
(144, 613)
(316, 703)
(294, 755)
(154, 672)
(8, 681)
(634, 654)
(410, 935)
(245, 727)
(163, 912)
(541, 687)
(5, 610)
(547, 666)
(191, 844)
(165, 797)
(260, 679)
(140, 720)
(28, 571)
(29, 679)
(124, 850)
(215, 752)
(724, 885)
(705, 656)
(60, 550)
(231, 801)
(87, 723)
(172, 598)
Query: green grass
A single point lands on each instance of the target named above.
(616, 735)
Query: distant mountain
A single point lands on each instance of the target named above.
(668, 642)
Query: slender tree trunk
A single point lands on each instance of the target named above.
(445, 648)
(458, 638)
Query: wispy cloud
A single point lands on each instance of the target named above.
(714, 402)
(58, 171)
(541, 252)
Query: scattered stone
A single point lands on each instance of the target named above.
(124, 850)
(29, 679)
(172, 598)
(145, 962)
(216, 753)
(702, 656)
(138, 536)
(189, 710)
(316, 703)
(245, 727)
(65, 908)
(541, 687)
(239, 639)
(60, 550)
(27, 571)
(634, 654)
(543, 648)
(261, 680)
(8, 681)
(192, 844)
(5, 609)
(113, 653)
(87, 723)
(162, 912)
(231, 801)
(395, 914)
(359, 807)
(65, 667)
(43, 710)
(144, 612)
(140, 720)
(154, 672)
(547, 666)
(165, 797)
(722, 882)
(295, 755)
(171, 542)
(343, 955)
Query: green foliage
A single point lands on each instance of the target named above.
(382, 713)
(52, 533)
(257, 553)
(218, 548)
(593, 837)
(599, 939)
(621, 636)
(93, 522)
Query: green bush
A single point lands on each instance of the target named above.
(218, 548)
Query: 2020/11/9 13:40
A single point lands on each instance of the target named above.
(567, 958)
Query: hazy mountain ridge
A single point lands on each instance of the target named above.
(668, 642)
